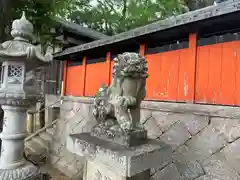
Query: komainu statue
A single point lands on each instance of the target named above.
(117, 108)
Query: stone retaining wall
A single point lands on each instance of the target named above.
(204, 139)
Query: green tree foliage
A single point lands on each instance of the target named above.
(115, 16)
(107, 16)
(197, 4)
(39, 12)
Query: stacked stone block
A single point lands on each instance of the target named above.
(204, 139)
(203, 147)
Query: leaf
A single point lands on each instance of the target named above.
(115, 16)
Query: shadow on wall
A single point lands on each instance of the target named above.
(1, 123)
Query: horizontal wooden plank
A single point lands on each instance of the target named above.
(228, 37)
(95, 60)
(153, 49)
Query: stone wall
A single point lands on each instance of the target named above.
(204, 139)
(75, 117)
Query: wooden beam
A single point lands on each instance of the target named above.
(193, 60)
(64, 79)
(84, 75)
(142, 49)
(108, 61)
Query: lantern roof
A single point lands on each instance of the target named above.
(20, 48)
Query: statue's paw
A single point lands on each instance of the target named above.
(125, 125)
(95, 112)
(115, 128)
(110, 134)
(109, 122)
(139, 126)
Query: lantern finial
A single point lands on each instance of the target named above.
(22, 28)
(23, 15)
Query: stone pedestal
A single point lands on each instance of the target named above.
(13, 166)
(25, 172)
(110, 161)
(13, 134)
(95, 171)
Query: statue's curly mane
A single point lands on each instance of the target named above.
(130, 64)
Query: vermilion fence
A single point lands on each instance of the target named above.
(199, 70)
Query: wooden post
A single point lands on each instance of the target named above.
(193, 59)
(64, 78)
(40, 115)
(142, 50)
(108, 60)
(30, 122)
(1, 123)
(84, 75)
(53, 114)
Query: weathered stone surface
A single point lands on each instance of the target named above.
(189, 108)
(165, 119)
(130, 138)
(180, 151)
(189, 169)
(230, 128)
(176, 136)
(205, 177)
(76, 125)
(28, 171)
(164, 160)
(95, 171)
(200, 147)
(118, 114)
(153, 130)
(168, 173)
(49, 101)
(123, 161)
(205, 144)
(54, 159)
(216, 168)
(231, 153)
(58, 149)
(145, 114)
(69, 168)
(74, 118)
(194, 123)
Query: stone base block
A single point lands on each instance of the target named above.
(95, 171)
(120, 160)
(26, 172)
(132, 138)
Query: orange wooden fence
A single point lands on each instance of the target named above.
(218, 74)
(187, 71)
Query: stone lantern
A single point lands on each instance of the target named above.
(19, 59)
